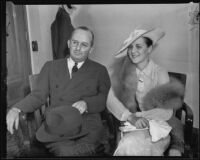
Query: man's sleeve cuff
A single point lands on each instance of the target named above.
(16, 109)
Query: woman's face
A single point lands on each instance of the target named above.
(138, 51)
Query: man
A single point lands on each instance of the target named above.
(73, 81)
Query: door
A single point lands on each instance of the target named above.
(17, 53)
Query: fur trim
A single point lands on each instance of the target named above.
(168, 95)
(124, 82)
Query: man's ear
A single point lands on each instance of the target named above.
(68, 43)
(91, 50)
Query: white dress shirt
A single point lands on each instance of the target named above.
(151, 76)
(71, 63)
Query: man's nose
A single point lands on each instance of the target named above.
(78, 46)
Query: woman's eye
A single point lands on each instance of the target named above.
(130, 47)
(138, 47)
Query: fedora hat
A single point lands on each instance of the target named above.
(151, 32)
(61, 123)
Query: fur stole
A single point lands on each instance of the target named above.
(124, 82)
(169, 95)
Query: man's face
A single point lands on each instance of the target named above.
(80, 45)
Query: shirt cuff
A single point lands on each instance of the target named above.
(125, 115)
(16, 109)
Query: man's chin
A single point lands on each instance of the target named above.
(77, 59)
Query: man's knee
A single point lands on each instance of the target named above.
(73, 149)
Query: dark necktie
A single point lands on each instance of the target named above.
(74, 69)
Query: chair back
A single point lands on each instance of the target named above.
(182, 78)
(187, 118)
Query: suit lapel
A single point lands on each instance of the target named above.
(78, 77)
(81, 72)
(62, 72)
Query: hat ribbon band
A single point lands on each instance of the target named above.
(52, 131)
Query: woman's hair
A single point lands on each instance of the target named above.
(148, 41)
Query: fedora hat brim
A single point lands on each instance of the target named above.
(44, 136)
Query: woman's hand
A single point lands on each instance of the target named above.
(132, 119)
(138, 122)
(142, 123)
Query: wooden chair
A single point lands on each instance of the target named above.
(30, 122)
(184, 113)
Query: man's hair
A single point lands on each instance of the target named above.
(85, 29)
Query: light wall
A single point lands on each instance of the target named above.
(40, 18)
(177, 51)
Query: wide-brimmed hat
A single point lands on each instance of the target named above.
(151, 32)
(63, 122)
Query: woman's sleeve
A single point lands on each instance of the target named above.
(163, 76)
(116, 107)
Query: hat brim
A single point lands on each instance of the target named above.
(44, 136)
(124, 46)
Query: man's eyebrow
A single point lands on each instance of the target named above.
(83, 43)
(79, 41)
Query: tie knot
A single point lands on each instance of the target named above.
(75, 68)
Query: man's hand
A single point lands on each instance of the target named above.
(174, 152)
(12, 118)
(81, 106)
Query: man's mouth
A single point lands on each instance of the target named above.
(76, 52)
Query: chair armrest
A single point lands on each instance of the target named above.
(189, 113)
(188, 124)
(27, 130)
(113, 125)
(188, 128)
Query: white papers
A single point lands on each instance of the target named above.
(129, 127)
(157, 129)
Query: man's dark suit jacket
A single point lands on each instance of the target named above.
(91, 83)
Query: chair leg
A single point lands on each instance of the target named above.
(188, 152)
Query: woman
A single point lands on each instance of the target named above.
(134, 75)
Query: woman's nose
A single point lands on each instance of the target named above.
(133, 50)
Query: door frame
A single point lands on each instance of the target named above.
(21, 40)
